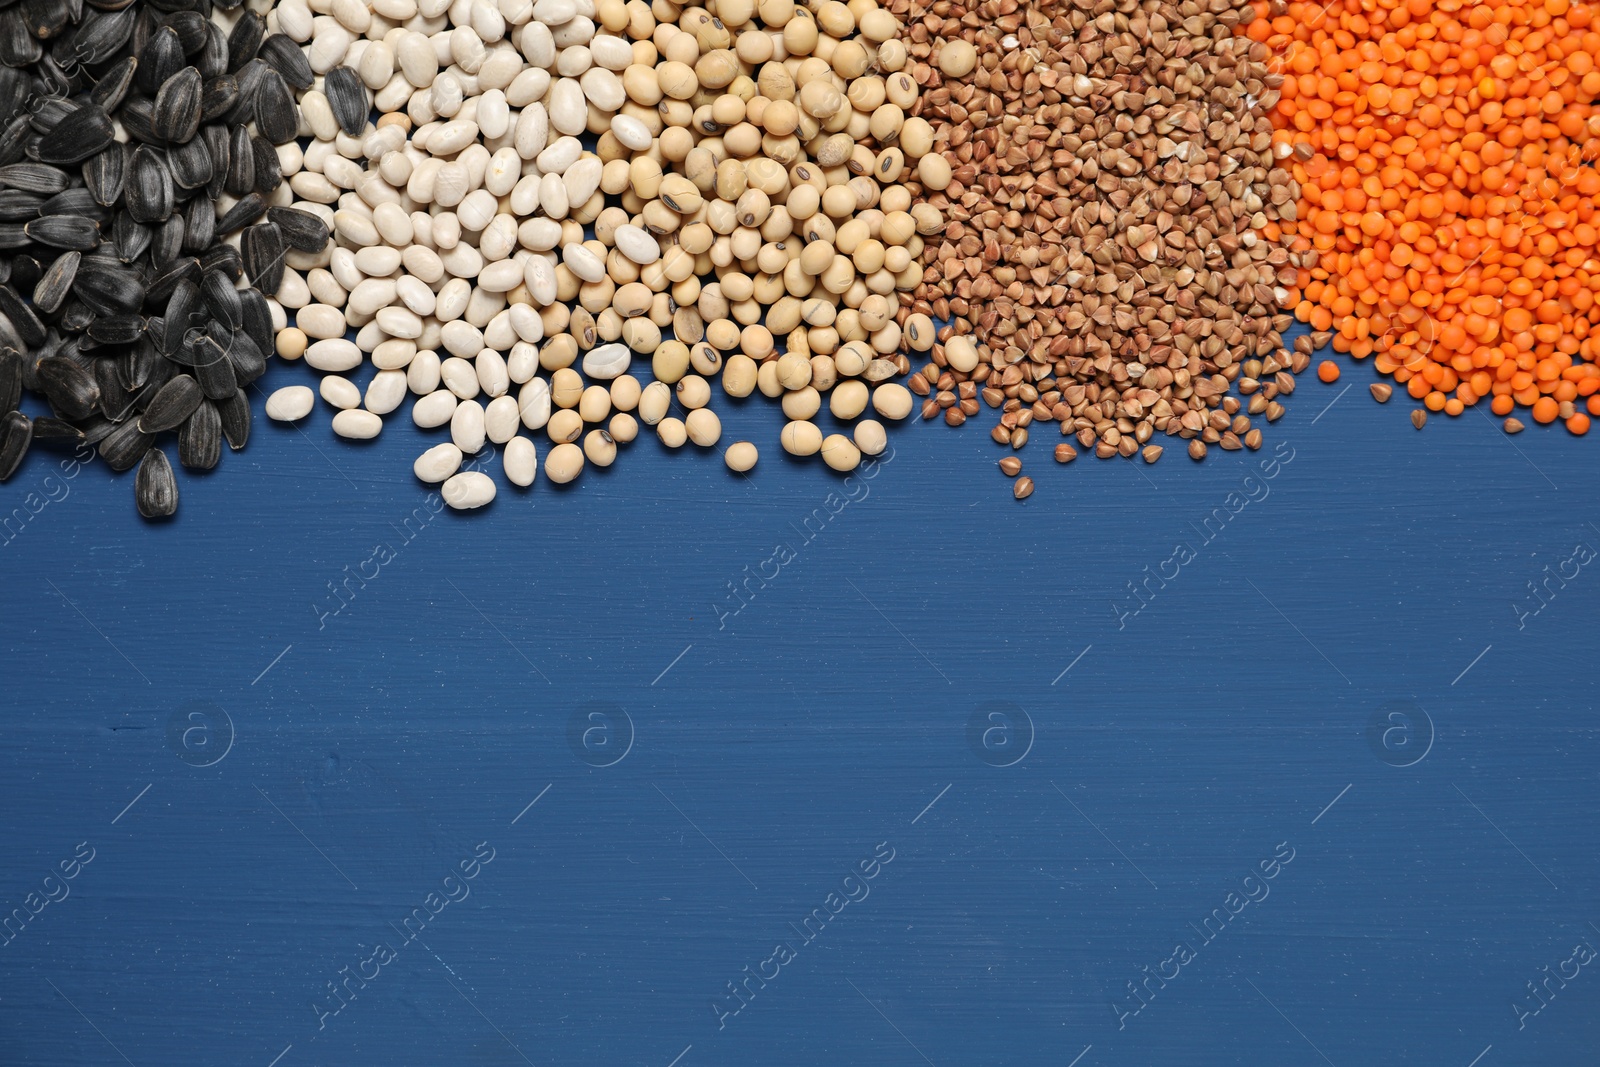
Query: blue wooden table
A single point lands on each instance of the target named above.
(1288, 757)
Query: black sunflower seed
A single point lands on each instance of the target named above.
(275, 109)
(222, 300)
(283, 55)
(257, 318)
(16, 433)
(218, 96)
(18, 206)
(212, 59)
(347, 96)
(216, 138)
(75, 138)
(45, 18)
(191, 28)
(182, 305)
(163, 281)
(214, 369)
(149, 190)
(268, 168)
(116, 400)
(155, 487)
(21, 316)
(76, 316)
(41, 178)
(177, 114)
(18, 47)
(138, 118)
(65, 231)
(13, 235)
(70, 388)
(225, 258)
(301, 229)
(116, 329)
(191, 163)
(53, 288)
(245, 40)
(107, 287)
(200, 438)
(161, 58)
(246, 212)
(262, 249)
(235, 413)
(135, 364)
(249, 362)
(125, 445)
(241, 177)
(199, 225)
(130, 238)
(58, 433)
(175, 402)
(103, 174)
(75, 201)
(10, 380)
(249, 77)
(167, 241)
(5, 269)
(112, 88)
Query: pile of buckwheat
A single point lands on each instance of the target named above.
(1114, 261)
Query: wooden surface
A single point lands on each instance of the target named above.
(1334, 668)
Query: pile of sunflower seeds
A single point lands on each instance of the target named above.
(136, 180)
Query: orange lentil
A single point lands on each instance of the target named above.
(1445, 157)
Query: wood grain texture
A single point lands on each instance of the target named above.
(502, 654)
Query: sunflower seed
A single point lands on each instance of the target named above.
(160, 59)
(116, 401)
(235, 413)
(268, 168)
(75, 316)
(21, 316)
(191, 163)
(218, 96)
(14, 139)
(50, 111)
(108, 288)
(58, 433)
(149, 190)
(103, 173)
(276, 117)
(245, 40)
(10, 380)
(200, 438)
(97, 38)
(190, 27)
(12, 235)
(138, 118)
(155, 488)
(52, 289)
(16, 433)
(77, 137)
(301, 230)
(212, 59)
(41, 178)
(257, 318)
(125, 445)
(216, 138)
(167, 240)
(44, 19)
(175, 402)
(18, 206)
(116, 329)
(163, 281)
(249, 77)
(177, 115)
(130, 238)
(347, 96)
(249, 362)
(76, 201)
(65, 231)
(283, 55)
(225, 258)
(247, 211)
(181, 306)
(262, 249)
(70, 388)
(222, 300)
(199, 225)
(113, 86)
(241, 177)
(18, 46)
(214, 370)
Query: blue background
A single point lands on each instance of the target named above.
(300, 782)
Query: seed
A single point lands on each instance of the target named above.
(172, 404)
(200, 439)
(1512, 426)
(438, 463)
(1328, 371)
(245, 39)
(71, 389)
(357, 425)
(262, 249)
(57, 432)
(1065, 453)
(563, 463)
(840, 453)
(177, 113)
(1022, 488)
(248, 210)
(235, 415)
(1011, 466)
(125, 445)
(275, 108)
(348, 99)
(72, 232)
(1419, 418)
(149, 186)
(213, 369)
(291, 403)
(1197, 450)
(155, 488)
(1152, 453)
(301, 230)
(521, 461)
(41, 178)
(54, 286)
(1381, 391)
(600, 448)
(741, 456)
(10, 380)
(16, 433)
(284, 56)
(218, 96)
(87, 131)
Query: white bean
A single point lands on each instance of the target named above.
(466, 427)
(290, 403)
(437, 463)
(357, 425)
(467, 490)
(340, 392)
(435, 409)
